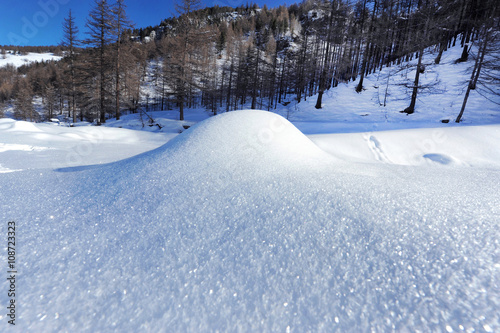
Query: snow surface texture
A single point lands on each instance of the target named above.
(242, 224)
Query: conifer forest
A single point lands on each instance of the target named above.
(225, 59)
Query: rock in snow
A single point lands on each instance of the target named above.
(242, 224)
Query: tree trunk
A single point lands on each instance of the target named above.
(326, 64)
(442, 47)
(410, 109)
(102, 90)
(117, 92)
(367, 54)
(474, 76)
(181, 107)
(73, 89)
(319, 101)
(255, 79)
(231, 69)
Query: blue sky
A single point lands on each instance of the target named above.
(39, 22)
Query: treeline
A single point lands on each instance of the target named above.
(15, 49)
(226, 59)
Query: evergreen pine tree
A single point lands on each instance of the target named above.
(100, 25)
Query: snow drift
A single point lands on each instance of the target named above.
(239, 143)
(261, 136)
(243, 224)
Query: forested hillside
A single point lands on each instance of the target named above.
(226, 58)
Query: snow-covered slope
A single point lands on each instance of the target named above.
(241, 223)
(441, 97)
(18, 60)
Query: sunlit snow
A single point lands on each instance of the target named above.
(242, 223)
(18, 60)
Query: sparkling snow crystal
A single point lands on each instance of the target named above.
(242, 223)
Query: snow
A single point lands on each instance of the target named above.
(18, 60)
(456, 145)
(62, 146)
(243, 223)
(344, 110)
(335, 221)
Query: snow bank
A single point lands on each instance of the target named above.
(234, 226)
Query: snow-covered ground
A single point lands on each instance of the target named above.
(244, 223)
(19, 60)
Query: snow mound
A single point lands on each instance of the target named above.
(252, 138)
(228, 148)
